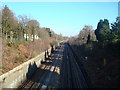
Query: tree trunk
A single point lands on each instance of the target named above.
(26, 37)
(23, 34)
(11, 36)
(20, 34)
(33, 37)
(30, 37)
(33, 33)
(6, 36)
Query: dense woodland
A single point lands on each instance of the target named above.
(23, 38)
(99, 52)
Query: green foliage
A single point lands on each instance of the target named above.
(103, 31)
(14, 43)
(2, 67)
(10, 44)
(9, 22)
(116, 29)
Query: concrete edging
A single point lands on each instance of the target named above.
(16, 76)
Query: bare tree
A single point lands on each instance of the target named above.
(34, 26)
(86, 32)
(23, 21)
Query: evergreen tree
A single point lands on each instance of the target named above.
(9, 22)
(116, 29)
(103, 31)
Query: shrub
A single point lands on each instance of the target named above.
(10, 44)
(2, 67)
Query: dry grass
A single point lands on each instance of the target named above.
(18, 52)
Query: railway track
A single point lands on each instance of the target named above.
(29, 84)
(72, 76)
(63, 72)
(45, 76)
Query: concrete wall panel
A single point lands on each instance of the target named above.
(16, 76)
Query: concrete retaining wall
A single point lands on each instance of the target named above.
(16, 76)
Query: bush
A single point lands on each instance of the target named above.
(2, 67)
(10, 44)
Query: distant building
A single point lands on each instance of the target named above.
(27, 36)
(119, 8)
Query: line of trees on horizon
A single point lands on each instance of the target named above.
(23, 28)
(103, 34)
